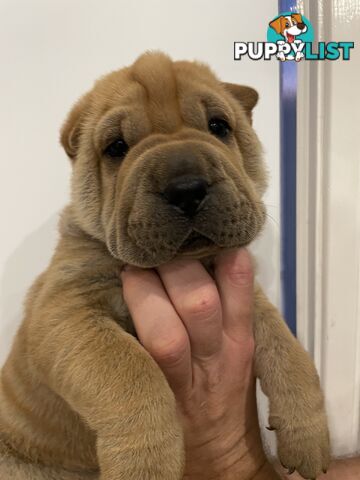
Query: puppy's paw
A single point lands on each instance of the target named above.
(303, 446)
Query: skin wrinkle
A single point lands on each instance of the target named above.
(162, 108)
(149, 152)
(32, 422)
(108, 129)
(238, 463)
(177, 96)
(218, 108)
(146, 100)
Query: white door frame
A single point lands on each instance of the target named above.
(328, 217)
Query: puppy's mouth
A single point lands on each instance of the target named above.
(195, 242)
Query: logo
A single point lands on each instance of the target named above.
(290, 37)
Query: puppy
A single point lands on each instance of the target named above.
(289, 27)
(165, 163)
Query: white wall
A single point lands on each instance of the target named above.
(51, 52)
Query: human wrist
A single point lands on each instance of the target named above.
(222, 459)
(267, 472)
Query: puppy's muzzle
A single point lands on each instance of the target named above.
(186, 193)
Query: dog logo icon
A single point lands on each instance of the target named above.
(289, 27)
(290, 36)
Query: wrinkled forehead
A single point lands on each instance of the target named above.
(157, 95)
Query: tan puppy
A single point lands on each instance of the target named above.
(165, 163)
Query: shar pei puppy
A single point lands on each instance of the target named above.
(165, 163)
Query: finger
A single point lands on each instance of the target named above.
(195, 297)
(159, 328)
(235, 279)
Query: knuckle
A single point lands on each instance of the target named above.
(202, 303)
(169, 352)
(214, 381)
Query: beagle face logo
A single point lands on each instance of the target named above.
(290, 37)
(293, 29)
(289, 26)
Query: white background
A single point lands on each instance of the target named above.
(51, 52)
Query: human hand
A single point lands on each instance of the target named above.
(199, 330)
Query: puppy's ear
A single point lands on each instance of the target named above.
(297, 17)
(71, 129)
(246, 96)
(276, 25)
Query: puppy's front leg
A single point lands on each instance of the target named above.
(109, 379)
(289, 378)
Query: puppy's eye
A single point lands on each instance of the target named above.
(219, 127)
(117, 149)
(287, 24)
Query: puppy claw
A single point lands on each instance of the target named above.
(270, 428)
(306, 448)
(324, 471)
(291, 470)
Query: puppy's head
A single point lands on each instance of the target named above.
(289, 26)
(165, 162)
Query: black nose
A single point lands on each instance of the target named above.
(186, 193)
(301, 26)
